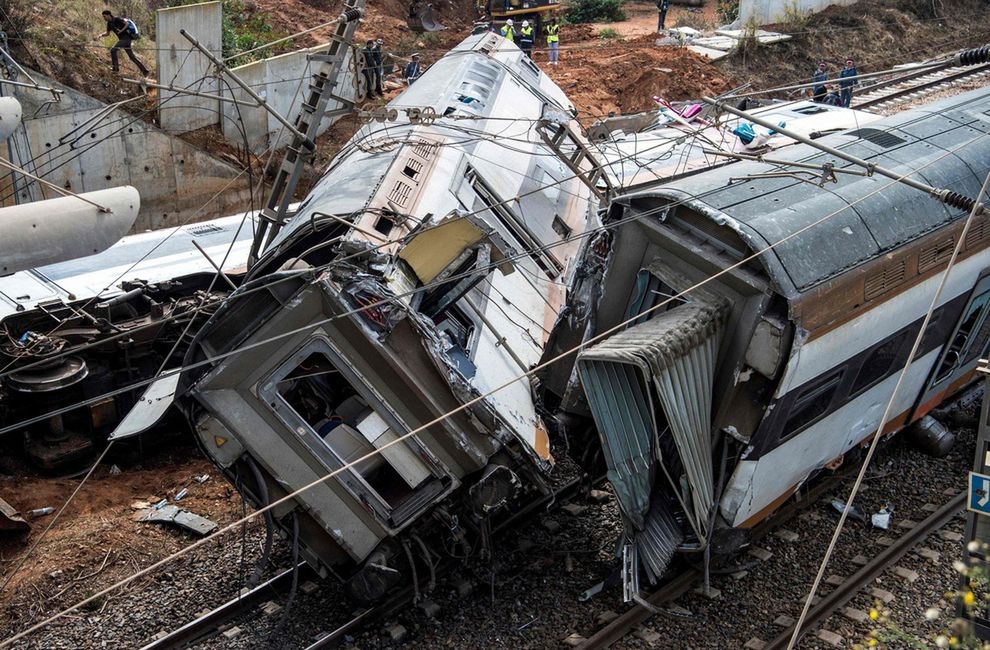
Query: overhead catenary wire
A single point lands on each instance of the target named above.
(192, 319)
(83, 347)
(957, 248)
(468, 404)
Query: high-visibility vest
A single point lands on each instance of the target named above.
(553, 33)
(527, 34)
(508, 32)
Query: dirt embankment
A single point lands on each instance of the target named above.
(96, 542)
(876, 34)
(623, 77)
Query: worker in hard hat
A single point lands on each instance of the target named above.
(508, 31)
(552, 31)
(526, 38)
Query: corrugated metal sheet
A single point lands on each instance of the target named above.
(673, 357)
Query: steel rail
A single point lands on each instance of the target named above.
(928, 85)
(681, 583)
(208, 624)
(856, 582)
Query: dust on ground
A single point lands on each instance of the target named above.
(96, 542)
(623, 77)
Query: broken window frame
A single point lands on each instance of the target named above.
(895, 342)
(979, 306)
(649, 286)
(521, 236)
(350, 479)
(830, 384)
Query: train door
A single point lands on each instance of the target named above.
(962, 350)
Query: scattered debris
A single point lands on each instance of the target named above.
(10, 521)
(115, 470)
(39, 512)
(183, 518)
(881, 519)
(574, 509)
(181, 494)
(396, 632)
(854, 512)
(202, 478)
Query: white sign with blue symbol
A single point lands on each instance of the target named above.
(979, 493)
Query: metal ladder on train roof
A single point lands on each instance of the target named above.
(575, 154)
(311, 114)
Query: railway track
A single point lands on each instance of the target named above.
(277, 588)
(683, 582)
(915, 85)
(844, 592)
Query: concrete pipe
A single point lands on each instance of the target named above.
(56, 230)
(10, 116)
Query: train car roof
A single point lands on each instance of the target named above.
(944, 144)
(154, 256)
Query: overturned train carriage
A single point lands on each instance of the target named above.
(716, 406)
(424, 270)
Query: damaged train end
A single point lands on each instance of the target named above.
(422, 273)
(744, 327)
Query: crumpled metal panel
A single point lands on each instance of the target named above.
(623, 410)
(659, 539)
(676, 350)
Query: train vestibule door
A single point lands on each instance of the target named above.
(962, 351)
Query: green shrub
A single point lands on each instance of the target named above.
(727, 10)
(242, 29)
(595, 11)
(608, 33)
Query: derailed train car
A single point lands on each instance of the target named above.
(713, 408)
(424, 269)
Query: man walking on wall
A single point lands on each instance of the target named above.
(126, 32)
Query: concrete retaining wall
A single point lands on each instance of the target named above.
(182, 68)
(277, 79)
(74, 149)
(766, 12)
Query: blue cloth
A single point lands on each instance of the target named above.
(411, 73)
(847, 72)
(745, 132)
(820, 78)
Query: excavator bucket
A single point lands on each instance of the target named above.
(422, 18)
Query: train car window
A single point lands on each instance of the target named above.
(879, 363)
(970, 337)
(650, 291)
(812, 404)
(330, 410)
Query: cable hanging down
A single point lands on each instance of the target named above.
(442, 417)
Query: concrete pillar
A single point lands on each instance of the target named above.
(180, 65)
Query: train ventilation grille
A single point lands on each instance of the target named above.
(425, 149)
(884, 280)
(400, 194)
(935, 254)
(978, 231)
(205, 229)
(880, 138)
